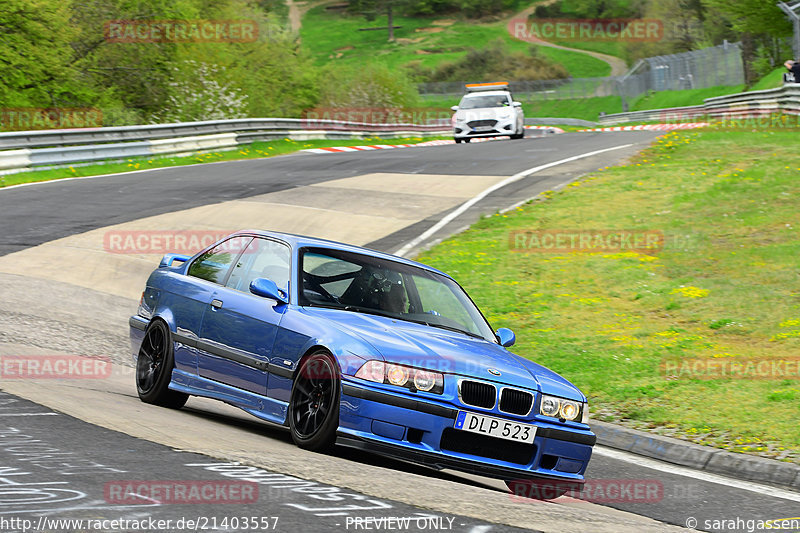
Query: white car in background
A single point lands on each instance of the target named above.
(487, 110)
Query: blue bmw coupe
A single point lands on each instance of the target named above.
(350, 346)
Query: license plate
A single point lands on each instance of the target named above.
(483, 128)
(495, 427)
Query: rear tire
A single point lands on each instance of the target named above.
(467, 140)
(154, 366)
(314, 404)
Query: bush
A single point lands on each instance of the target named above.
(496, 62)
(373, 86)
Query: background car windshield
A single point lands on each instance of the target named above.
(357, 282)
(475, 102)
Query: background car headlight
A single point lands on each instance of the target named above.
(413, 379)
(563, 408)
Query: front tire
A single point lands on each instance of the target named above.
(314, 404)
(154, 366)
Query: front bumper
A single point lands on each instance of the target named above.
(463, 130)
(422, 431)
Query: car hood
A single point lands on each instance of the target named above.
(422, 346)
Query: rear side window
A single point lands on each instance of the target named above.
(214, 264)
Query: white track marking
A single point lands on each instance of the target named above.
(511, 179)
(28, 414)
(764, 490)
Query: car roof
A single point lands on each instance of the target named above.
(301, 241)
(488, 93)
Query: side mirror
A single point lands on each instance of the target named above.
(506, 337)
(266, 288)
(454, 108)
(516, 104)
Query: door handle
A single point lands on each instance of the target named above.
(216, 304)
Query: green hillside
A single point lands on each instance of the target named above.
(333, 37)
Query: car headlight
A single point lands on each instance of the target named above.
(563, 409)
(424, 380)
(550, 406)
(413, 379)
(397, 375)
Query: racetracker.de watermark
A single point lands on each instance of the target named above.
(321, 117)
(593, 490)
(187, 242)
(631, 30)
(181, 31)
(191, 491)
(725, 368)
(54, 367)
(49, 118)
(744, 119)
(564, 241)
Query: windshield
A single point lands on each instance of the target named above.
(362, 283)
(475, 102)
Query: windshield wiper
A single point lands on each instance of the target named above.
(367, 310)
(451, 328)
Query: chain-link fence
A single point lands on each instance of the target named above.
(710, 67)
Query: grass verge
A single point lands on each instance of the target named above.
(725, 287)
(687, 97)
(258, 150)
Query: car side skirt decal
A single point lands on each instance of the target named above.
(234, 355)
(258, 405)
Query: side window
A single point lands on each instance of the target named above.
(215, 263)
(263, 258)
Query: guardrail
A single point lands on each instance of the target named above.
(784, 99)
(26, 150)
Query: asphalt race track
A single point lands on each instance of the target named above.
(66, 290)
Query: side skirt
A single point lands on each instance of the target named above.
(262, 407)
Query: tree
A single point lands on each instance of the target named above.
(35, 53)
